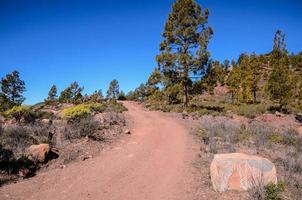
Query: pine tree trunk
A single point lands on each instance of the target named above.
(186, 98)
(232, 96)
(280, 105)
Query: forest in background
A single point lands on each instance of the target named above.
(186, 74)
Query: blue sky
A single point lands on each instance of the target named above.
(93, 42)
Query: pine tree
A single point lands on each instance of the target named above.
(296, 66)
(97, 96)
(279, 41)
(245, 84)
(12, 88)
(65, 96)
(256, 75)
(113, 90)
(121, 96)
(154, 78)
(76, 92)
(300, 96)
(153, 82)
(215, 74)
(72, 94)
(279, 83)
(184, 49)
(233, 82)
(52, 94)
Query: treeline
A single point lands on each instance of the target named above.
(13, 87)
(185, 69)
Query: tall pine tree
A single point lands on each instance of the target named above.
(279, 83)
(184, 48)
(12, 88)
(113, 90)
(52, 94)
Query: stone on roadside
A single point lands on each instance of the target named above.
(38, 152)
(238, 171)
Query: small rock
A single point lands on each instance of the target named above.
(87, 157)
(278, 114)
(299, 117)
(62, 166)
(45, 121)
(127, 132)
(185, 115)
(23, 172)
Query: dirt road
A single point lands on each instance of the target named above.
(154, 163)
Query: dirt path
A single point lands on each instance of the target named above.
(154, 163)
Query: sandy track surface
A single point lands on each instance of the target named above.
(154, 163)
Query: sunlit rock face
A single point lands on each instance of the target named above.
(238, 171)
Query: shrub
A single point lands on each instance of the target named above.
(97, 107)
(272, 191)
(114, 106)
(203, 136)
(275, 138)
(21, 112)
(291, 137)
(85, 127)
(121, 96)
(11, 165)
(268, 192)
(18, 137)
(292, 162)
(248, 110)
(44, 115)
(83, 110)
(76, 112)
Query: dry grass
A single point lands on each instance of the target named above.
(225, 135)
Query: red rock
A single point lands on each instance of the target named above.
(238, 171)
(38, 152)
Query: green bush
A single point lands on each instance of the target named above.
(84, 110)
(77, 112)
(248, 110)
(272, 191)
(97, 107)
(44, 115)
(21, 112)
(275, 138)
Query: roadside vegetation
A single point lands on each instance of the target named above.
(60, 122)
(256, 137)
